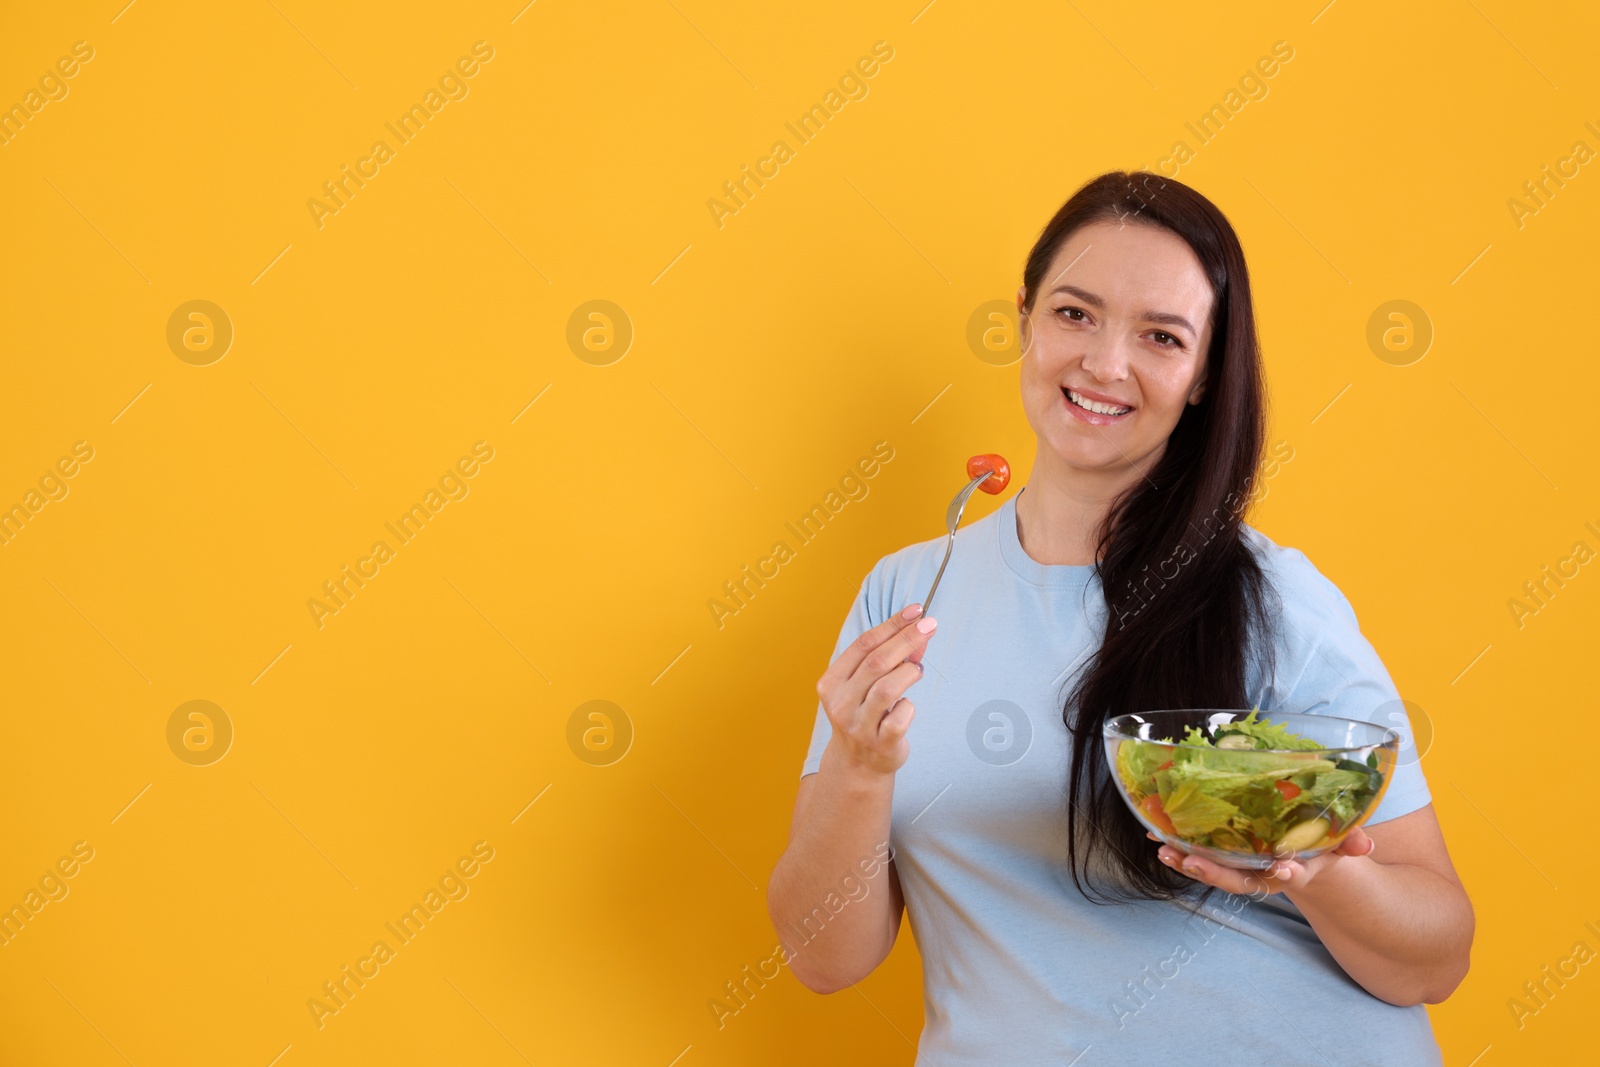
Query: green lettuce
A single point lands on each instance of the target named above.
(1194, 811)
(1137, 760)
(1335, 792)
(1264, 734)
(1234, 798)
(1223, 767)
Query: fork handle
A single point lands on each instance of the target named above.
(953, 519)
(928, 600)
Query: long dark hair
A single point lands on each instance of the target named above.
(1187, 603)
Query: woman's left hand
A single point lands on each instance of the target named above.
(1281, 876)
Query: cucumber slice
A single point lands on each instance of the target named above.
(1305, 834)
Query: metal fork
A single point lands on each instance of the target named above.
(952, 518)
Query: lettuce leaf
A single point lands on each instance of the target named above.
(1137, 761)
(1266, 734)
(1224, 771)
(1260, 800)
(1194, 812)
(1340, 793)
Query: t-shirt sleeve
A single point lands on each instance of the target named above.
(1325, 666)
(864, 615)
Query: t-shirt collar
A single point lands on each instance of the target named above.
(1024, 566)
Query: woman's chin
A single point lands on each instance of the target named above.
(1089, 455)
(1097, 458)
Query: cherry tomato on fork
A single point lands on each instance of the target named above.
(990, 462)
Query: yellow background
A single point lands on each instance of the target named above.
(769, 354)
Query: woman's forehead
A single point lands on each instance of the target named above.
(1133, 270)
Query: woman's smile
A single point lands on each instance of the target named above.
(1096, 409)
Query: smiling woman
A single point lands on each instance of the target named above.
(1029, 884)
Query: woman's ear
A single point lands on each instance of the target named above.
(1198, 393)
(1024, 324)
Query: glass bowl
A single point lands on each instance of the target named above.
(1242, 806)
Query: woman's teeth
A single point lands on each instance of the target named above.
(1094, 405)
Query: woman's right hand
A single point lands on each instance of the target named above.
(862, 692)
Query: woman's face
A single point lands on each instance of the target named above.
(1121, 324)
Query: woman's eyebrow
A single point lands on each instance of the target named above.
(1166, 317)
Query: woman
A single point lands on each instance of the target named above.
(1121, 578)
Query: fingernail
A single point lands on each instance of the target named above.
(912, 612)
(1372, 846)
(1192, 868)
(926, 626)
(918, 666)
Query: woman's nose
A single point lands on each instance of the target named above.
(1106, 359)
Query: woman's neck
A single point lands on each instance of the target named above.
(1060, 511)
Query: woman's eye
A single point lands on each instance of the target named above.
(1069, 311)
(1175, 342)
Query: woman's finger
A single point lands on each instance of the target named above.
(874, 686)
(896, 723)
(1228, 879)
(1357, 844)
(839, 689)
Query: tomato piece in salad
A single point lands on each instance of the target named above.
(985, 463)
(1287, 788)
(1151, 806)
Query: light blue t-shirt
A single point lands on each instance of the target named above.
(1017, 966)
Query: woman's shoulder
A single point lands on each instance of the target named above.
(1301, 588)
(899, 574)
(903, 576)
(1318, 643)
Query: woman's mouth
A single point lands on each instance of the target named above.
(1095, 412)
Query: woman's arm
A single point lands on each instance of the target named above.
(840, 832)
(1401, 924)
(839, 840)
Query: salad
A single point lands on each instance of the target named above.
(1228, 794)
